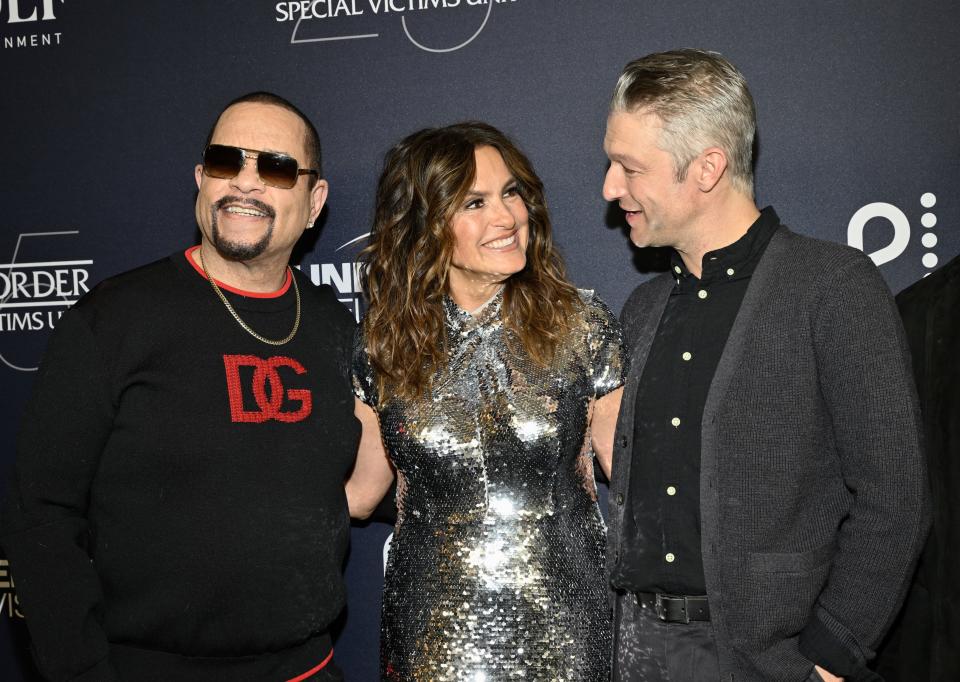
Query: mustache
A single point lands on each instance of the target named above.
(241, 201)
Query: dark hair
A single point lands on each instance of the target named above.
(425, 180)
(311, 140)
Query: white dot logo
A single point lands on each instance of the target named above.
(929, 239)
(901, 230)
(890, 213)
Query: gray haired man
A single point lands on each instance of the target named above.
(768, 497)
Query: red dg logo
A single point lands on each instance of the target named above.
(268, 390)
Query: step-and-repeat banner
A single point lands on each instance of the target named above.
(105, 106)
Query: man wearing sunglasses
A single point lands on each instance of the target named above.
(177, 511)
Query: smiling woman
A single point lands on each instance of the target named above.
(490, 232)
(444, 195)
(487, 382)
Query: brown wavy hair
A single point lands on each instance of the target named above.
(425, 180)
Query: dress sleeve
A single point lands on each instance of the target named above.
(605, 340)
(44, 527)
(364, 382)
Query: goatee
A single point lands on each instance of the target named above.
(239, 251)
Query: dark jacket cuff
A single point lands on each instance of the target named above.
(826, 642)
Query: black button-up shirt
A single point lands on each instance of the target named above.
(661, 525)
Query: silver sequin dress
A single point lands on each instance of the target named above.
(496, 566)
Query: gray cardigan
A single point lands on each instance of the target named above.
(813, 492)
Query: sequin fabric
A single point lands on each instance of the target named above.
(496, 566)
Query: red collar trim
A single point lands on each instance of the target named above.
(234, 290)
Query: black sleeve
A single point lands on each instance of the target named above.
(44, 528)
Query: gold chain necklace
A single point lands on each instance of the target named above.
(272, 342)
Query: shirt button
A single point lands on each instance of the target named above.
(702, 293)
(620, 499)
(730, 271)
(623, 441)
(676, 269)
(670, 557)
(671, 491)
(687, 355)
(675, 421)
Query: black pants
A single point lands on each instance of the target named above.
(649, 650)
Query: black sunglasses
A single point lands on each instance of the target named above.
(277, 170)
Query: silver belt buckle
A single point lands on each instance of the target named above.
(659, 608)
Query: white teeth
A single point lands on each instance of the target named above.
(500, 243)
(241, 210)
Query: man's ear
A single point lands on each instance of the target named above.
(709, 167)
(318, 197)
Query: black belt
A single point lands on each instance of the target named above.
(675, 608)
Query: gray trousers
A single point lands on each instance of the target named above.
(648, 650)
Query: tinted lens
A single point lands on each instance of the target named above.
(224, 162)
(278, 170)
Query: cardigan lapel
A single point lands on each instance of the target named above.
(730, 360)
(733, 350)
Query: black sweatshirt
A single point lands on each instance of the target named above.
(177, 510)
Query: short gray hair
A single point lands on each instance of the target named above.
(702, 101)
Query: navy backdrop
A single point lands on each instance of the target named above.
(105, 106)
